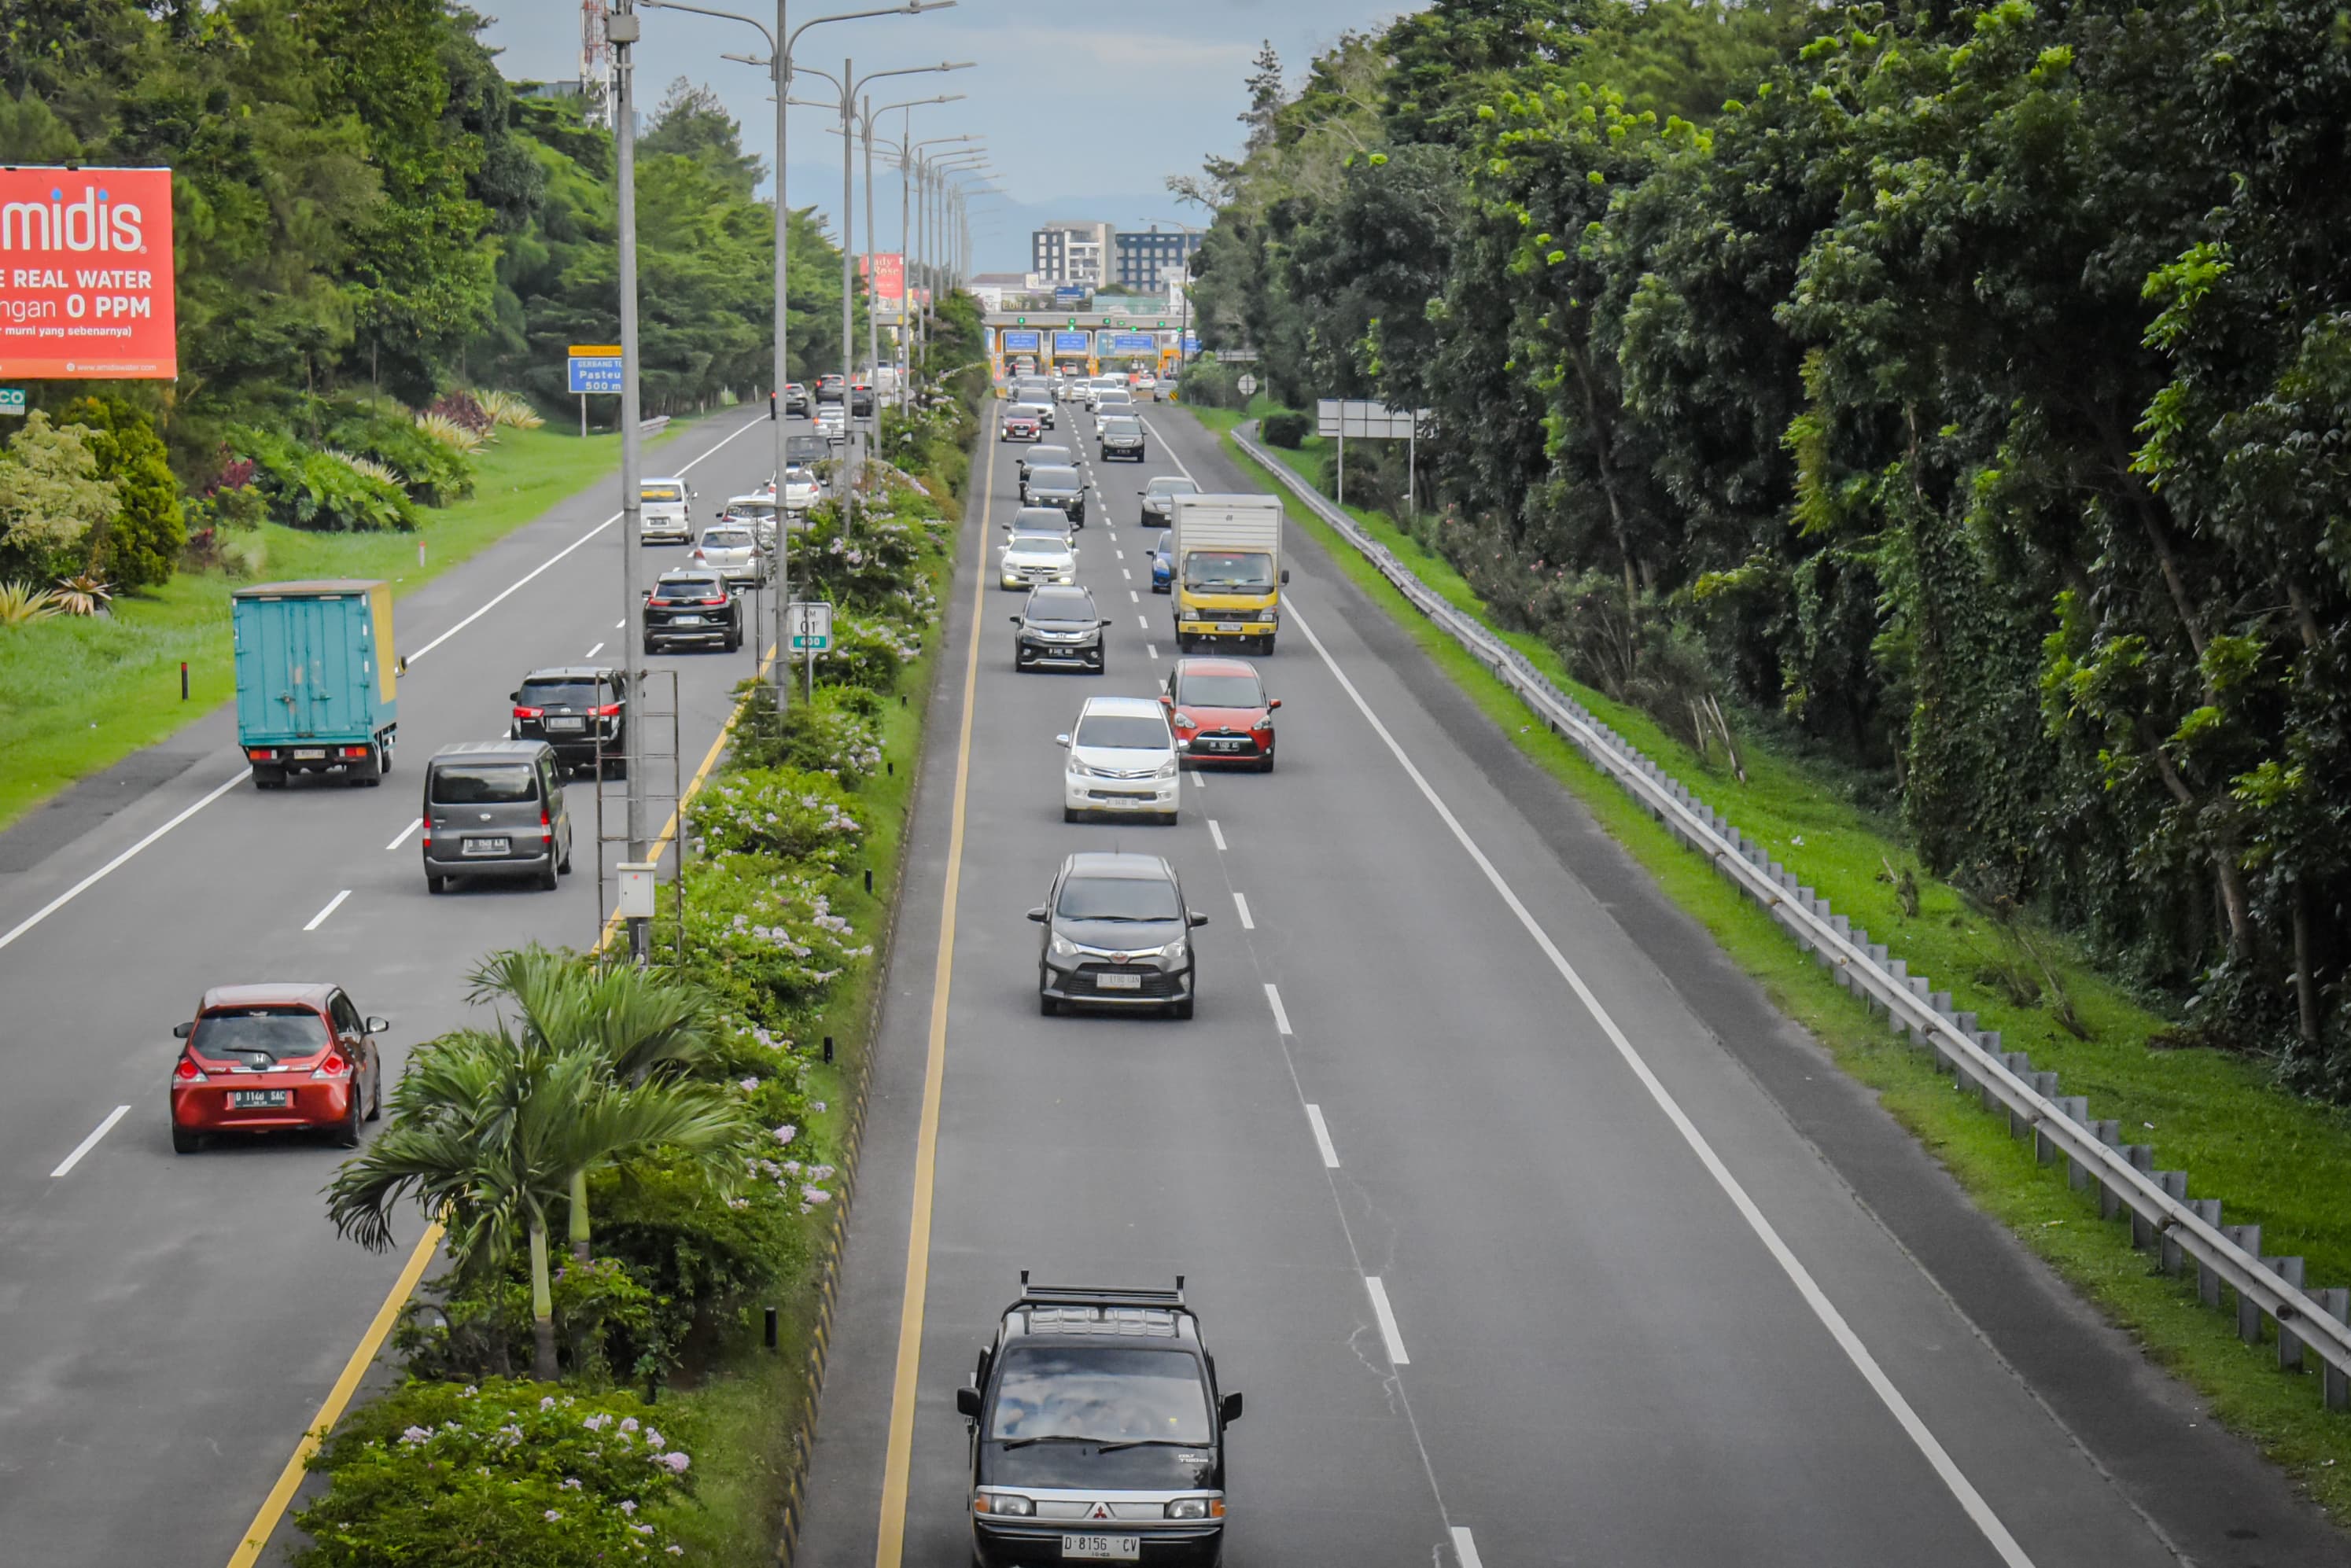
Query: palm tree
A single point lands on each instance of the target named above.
(639, 1025)
(488, 1131)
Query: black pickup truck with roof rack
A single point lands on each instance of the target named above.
(1097, 1431)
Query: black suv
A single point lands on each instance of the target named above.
(861, 399)
(692, 607)
(1061, 629)
(1041, 457)
(1121, 437)
(580, 710)
(1097, 1431)
(1159, 499)
(832, 388)
(1057, 488)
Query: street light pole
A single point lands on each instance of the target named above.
(623, 28)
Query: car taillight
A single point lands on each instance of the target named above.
(334, 1066)
(355, 751)
(260, 753)
(609, 710)
(706, 603)
(546, 829)
(187, 1072)
(529, 712)
(698, 553)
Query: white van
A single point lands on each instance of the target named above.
(662, 519)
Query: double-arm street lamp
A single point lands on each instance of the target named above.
(912, 170)
(778, 65)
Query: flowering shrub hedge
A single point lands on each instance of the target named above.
(505, 1473)
(787, 813)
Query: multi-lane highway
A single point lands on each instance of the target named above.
(1529, 1232)
(168, 1324)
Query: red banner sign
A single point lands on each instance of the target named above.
(85, 275)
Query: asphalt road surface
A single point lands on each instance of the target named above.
(1531, 1233)
(170, 1324)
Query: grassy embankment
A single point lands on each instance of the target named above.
(78, 696)
(2272, 1156)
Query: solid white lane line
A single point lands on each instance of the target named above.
(90, 1143)
(1274, 1000)
(502, 594)
(1242, 904)
(1170, 451)
(1323, 1138)
(332, 905)
(77, 889)
(1387, 1314)
(404, 832)
(593, 651)
(1465, 1549)
(1963, 1490)
(1216, 834)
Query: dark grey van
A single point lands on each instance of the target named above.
(494, 808)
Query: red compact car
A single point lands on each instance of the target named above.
(1220, 712)
(266, 1057)
(1021, 426)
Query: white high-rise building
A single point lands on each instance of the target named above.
(1071, 253)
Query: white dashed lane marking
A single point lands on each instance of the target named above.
(404, 832)
(1323, 1138)
(332, 905)
(1216, 834)
(1387, 1314)
(1274, 999)
(1242, 904)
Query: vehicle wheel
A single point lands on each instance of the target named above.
(616, 768)
(546, 876)
(185, 1142)
(735, 642)
(1167, 818)
(375, 1095)
(566, 867)
(1069, 814)
(435, 883)
(1101, 667)
(269, 778)
(347, 1133)
(1268, 646)
(384, 758)
(1264, 763)
(1182, 1009)
(650, 648)
(1050, 1007)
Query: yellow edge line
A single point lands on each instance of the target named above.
(290, 1479)
(273, 1507)
(898, 1457)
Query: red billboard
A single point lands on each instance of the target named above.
(887, 271)
(85, 275)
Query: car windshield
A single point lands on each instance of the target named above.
(258, 1035)
(1118, 898)
(1124, 731)
(1122, 427)
(1220, 691)
(1052, 479)
(1101, 1393)
(727, 538)
(565, 693)
(1165, 486)
(1059, 607)
(1228, 571)
(1031, 536)
(663, 493)
(757, 505)
(480, 783)
(1048, 457)
(688, 589)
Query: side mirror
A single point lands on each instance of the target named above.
(1039, 915)
(967, 1402)
(644, 593)
(1195, 918)
(1285, 576)
(1061, 741)
(1102, 624)
(1228, 1408)
(514, 696)
(182, 1030)
(1272, 702)
(376, 1025)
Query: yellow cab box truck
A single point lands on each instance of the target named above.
(1227, 557)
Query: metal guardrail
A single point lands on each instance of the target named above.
(652, 426)
(2162, 1216)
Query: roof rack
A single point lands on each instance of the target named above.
(1098, 1295)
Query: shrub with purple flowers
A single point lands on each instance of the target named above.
(785, 813)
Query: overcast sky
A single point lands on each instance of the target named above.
(1086, 105)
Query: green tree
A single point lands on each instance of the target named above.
(690, 123)
(52, 499)
(140, 547)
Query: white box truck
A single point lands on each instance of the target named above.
(1227, 571)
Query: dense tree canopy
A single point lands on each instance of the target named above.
(1961, 388)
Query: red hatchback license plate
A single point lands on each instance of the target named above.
(260, 1099)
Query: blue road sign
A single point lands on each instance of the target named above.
(1069, 294)
(1128, 343)
(591, 373)
(1011, 342)
(1073, 342)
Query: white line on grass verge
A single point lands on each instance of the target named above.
(90, 1143)
(1387, 1314)
(1323, 1138)
(332, 905)
(1947, 1470)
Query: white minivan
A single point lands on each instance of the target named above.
(1123, 762)
(663, 515)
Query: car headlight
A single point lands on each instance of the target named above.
(1174, 953)
(1063, 948)
(1197, 1508)
(1004, 1504)
(1166, 770)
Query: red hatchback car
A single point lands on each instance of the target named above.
(266, 1057)
(1220, 712)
